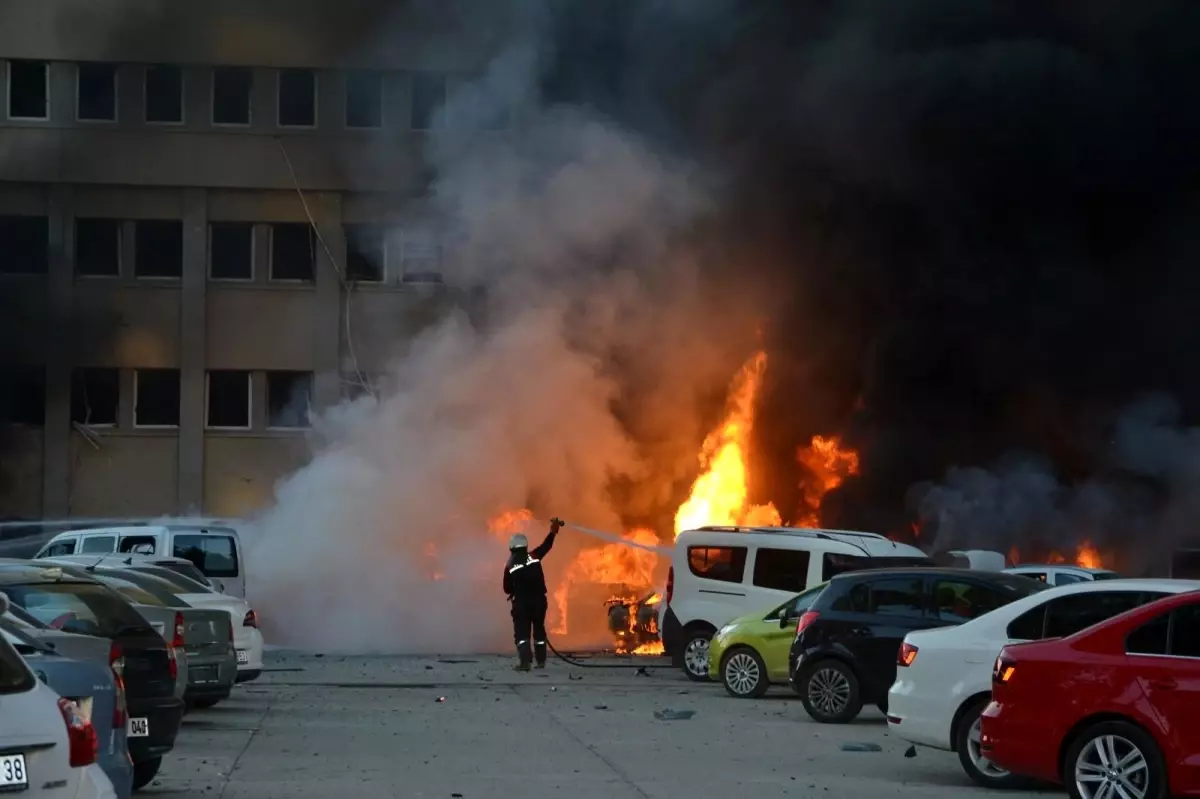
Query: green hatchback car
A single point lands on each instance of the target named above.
(751, 652)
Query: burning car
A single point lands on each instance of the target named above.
(634, 624)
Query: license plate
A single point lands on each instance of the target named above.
(243, 656)
(139, 728)
(12, 772)
(202, 675)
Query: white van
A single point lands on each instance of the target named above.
(216, 550)
(721, 573)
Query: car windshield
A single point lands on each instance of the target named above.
(78, 607)
(183, 585)
(23, 618)
(1104, 575)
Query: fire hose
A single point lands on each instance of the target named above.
(616, 539)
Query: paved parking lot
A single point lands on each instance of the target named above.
(374, 726)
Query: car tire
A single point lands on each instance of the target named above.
(744, 674)
(966, 744)
(694, 657)
(1122, 739)
(202, 704)
(830, 692)
(144, 771)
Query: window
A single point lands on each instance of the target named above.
(727, 564)
(28, 90)
(159, 248)
(1035, 576)
(366, 253)
(1150, 638)
(215, 555)
(25, 244)
(782, 569)
(897, 597)
(428, 97)
(832, 565)
(958, 601)
(231, 251)
(1029, 625)
(799, 604)
(23, 396)
(231, 88)
(364, 99)
(293, 251)
(164, 94)
(145, 544)
(88, 608)
(156, 398)
(1069, 614)
(228, 404)
(98, 247)
(94, 396)
(1066, 578)
(96, 92)
(421, 256)
(1185, 632)
(297, 98)
(98, 544)
(64, 547)
(289, 399)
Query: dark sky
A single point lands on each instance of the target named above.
(981, 216)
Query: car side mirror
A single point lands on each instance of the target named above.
(783, 619)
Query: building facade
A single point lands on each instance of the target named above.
(211, 222)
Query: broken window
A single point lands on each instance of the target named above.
(156, 398)
(98, 247)
(94, 396)
(96, 92)
(366, 253)
(28, 90)
(24, 245)
(428, 96)
(164, 94)
(231, 89)
(297, 98)
(23, 395)
(159, 248)
(228, 399)
(421, 256)
(289, 399)
(231, 251)
(293, 251)
(364, 99)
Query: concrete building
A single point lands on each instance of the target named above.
(211, 220)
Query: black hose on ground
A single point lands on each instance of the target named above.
(572, 662)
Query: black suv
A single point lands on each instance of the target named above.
(844, 655)
(139, 654)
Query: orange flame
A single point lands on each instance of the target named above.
(719, 495)
(612, 564)
(1086, 555)
(828, 466)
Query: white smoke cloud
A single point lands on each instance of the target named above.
(572, 226)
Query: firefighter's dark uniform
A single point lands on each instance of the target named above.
(525, 585)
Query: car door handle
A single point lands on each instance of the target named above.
(1164, 685)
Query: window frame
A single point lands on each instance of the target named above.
(212, 99)
(385, 242)
(146, 96)
(316, 95)
(758, 552)
(293, 281)
(253, 253)
(873, 607)
(116, 405)
(8, 88)
(381, 99)
(116, 80)
(234, 573)
(249, 400)
(745, 550)
(311, 377)
(136, 424)
(938, 581)
(111, 537)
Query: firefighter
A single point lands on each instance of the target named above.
(525, 585)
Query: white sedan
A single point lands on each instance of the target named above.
(944, 676)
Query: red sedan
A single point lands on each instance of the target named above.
(1112, 712)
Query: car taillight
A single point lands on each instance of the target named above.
(1004, 670)
(670, 584)
(172, 662)
(906, 655)
(84, 746)
(806, 619)
(116, 662)
(177, 639)
(251, 619)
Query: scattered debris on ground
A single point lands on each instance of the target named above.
(667, 714)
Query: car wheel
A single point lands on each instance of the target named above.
(144, 771)
(1114, 758)
(966, 742)
(831, 693)
(744, 673)
(695, 655)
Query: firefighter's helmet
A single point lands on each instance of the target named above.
(518, 541)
